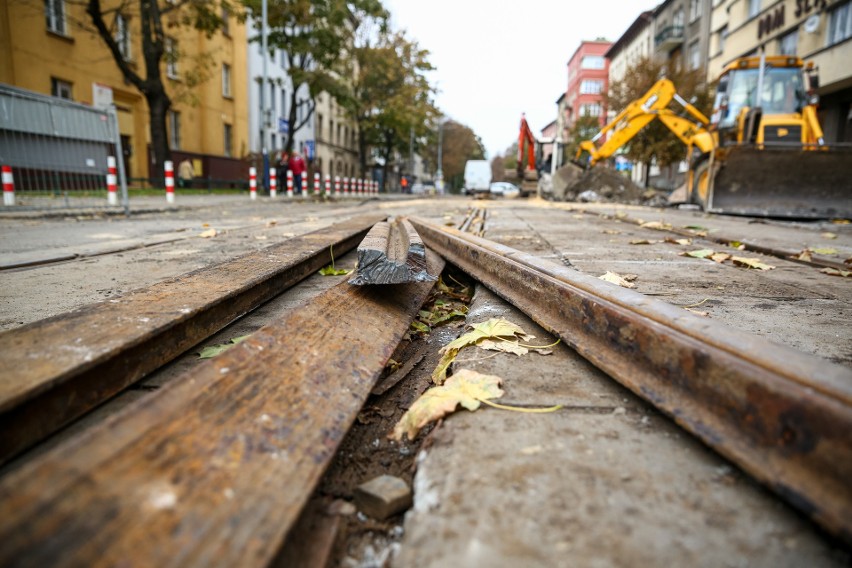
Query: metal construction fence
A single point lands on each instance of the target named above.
(57, 153)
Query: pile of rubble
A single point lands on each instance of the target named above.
(598, 184)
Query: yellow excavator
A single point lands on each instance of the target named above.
(761, 153)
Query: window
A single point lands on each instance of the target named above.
(284, 103)
(788, 44)
(591, 109)
(171, 58)
(591, 87)
(272, 100)
(753, 8)
(694, 10)
(122, 36)
(319, 127)
(331, 132)
(54, 11)
(60, 88)
(694, 55)
(723, 35)
(174, 130)
(226, 81)
(677, 19)
(840, 23)
(592, 62)
(228, 142)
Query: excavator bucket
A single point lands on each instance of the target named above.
(782, 182)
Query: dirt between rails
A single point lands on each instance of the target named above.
(331, 532)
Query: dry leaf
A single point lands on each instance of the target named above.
(205, 225)
(836, 272)
(615, 278)
(642, 242)
(610, 232)
(656, 225)
(702, 253)
(492, 329)
(260, 237)
(504, 346)
(208, 234)
(750, 263)
(678, 241)
(467, 388)
(805, 256)
(825, 251)
(828, 235)
(271, 223)
(213, 350)
(697, 312)
(720, 257)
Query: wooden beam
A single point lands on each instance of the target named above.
(213, 469)
(56, 369)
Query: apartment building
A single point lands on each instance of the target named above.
(336, 140)
(44, 48)
(588, 81)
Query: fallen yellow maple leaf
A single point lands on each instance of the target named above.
(494, 328)
(657, 225)
(208, 234)
(467, 388)
(836, 272)
(615, 278)
(750, 263)
(825, 251)
(702, 253)
(720, 257)
(828, 235)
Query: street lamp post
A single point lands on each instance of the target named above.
(264, 115)
(439, 175)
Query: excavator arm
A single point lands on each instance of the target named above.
(526, 141)
(641, 112)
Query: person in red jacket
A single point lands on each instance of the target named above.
(298, 167)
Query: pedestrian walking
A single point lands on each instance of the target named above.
(185, 173)
(298, 167)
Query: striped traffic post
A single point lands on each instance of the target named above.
(337, 186)
(316, 184)
(304, 185)
(253, 182)
(346, 187)
(273, 183)
(112, 190)
(327, 185)
(289, 184)
(8, 186)
(170, 181)
(360, 186)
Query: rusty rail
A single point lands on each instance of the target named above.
(782, 415)
(213, 469)
(391, 253)
(57, 369)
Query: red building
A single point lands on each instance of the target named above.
(588, 72)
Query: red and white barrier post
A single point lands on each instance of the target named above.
(170, 181)
(316, 184)
(304, 185)
(8, 186)
(253, 182)
(346, 187)
(273, 183)
(289, 184)
(337, 186)
(111, 179)
(327, 185)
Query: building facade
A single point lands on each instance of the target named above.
(336, 140)
(43, 48)
(818, 31)
(588, 81)
(277, 100)
(682, 32)
(635, 44)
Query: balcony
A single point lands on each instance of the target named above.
(668, 38)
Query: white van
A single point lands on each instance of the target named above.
(477, 177)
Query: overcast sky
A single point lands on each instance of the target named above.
(496, 59)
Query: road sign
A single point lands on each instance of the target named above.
(283, 125)
(310, 149)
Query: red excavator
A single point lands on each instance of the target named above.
(525, 174)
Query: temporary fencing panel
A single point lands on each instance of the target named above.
(58, 150)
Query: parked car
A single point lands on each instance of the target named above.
(417, 189)
(504, 189)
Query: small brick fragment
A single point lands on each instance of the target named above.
(383, 497)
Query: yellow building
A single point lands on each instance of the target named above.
(50, 47)
(818, 31)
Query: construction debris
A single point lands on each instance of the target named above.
(383, 497)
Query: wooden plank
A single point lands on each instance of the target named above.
(214, 468)
(56, 369)
(391, 253)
